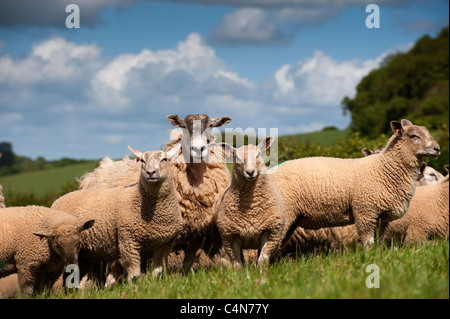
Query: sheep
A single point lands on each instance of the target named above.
(250, 213)
(327, 192)
(38, 243)
(143, 218)
(430, 176)
(427, 216)
(200, 176)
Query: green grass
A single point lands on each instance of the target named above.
(420, 271)
(45, 181)
(324, 137)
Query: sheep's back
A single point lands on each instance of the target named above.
(320, 188)
(98, 242)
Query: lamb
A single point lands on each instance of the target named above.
(38, 243)
(143, 218)
(250, 213)
(200, 176)
(328, 192)
(426, 218)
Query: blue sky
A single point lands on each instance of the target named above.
(285, 64)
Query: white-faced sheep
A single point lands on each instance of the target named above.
(430, 176)
(144, 218)
(427, 216)
(250, 214)
(38, 243)
(327, 192)
(200, 176)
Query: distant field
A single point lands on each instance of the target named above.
(324, 138)
(46, 181)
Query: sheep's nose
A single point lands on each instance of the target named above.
(250, 172)
(151, 173)
(438, 150)
(197, 149)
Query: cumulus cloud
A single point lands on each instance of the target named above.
(319, 80)
(54, 105)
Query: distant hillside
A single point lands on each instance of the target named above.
(412, 85)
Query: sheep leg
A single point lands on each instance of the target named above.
(268, 245)
(26, 282)
(382, 231)
(365, 228)
(189, 257)
(131, 261)
(160, 259)
(232, 246)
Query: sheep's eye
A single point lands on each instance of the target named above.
(414, 136)
(142, 161)
(164, 159)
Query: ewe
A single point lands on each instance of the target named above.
(327, 192)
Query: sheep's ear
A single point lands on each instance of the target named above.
(397, 128)
(266, 143)
(227, 149)
(136, 153)
(175, 120)
(86, 225)
(366, 152)
(44, 234)
(406, 123)
(173, 151)
(219, 121)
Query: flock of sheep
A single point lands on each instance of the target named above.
(180, 206)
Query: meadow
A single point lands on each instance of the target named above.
(420, 271)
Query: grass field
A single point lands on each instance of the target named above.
(46, 181)
(420, 271)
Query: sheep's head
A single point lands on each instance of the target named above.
(197, 134)
(418, 138)
(429, 176)
(65, 239)
(155, 164)
(248, 161)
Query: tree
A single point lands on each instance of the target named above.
(412, 85)
(7, 155)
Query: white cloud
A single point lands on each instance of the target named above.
(65, 99)
(52, 60)
(319, 80)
